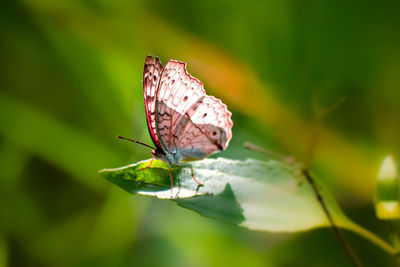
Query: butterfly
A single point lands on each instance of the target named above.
(184, 123)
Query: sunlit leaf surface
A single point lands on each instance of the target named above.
(268, 196)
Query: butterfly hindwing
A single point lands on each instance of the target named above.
(208, 130)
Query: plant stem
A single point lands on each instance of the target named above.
(394, 238)
(342, 240)
(347, 224)
(369, 236)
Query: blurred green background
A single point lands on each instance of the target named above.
(70, 82)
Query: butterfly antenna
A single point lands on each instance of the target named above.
(135, 141)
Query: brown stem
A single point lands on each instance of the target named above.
(338, 233)
(394, 238)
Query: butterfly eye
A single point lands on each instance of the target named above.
(185, 98)
(205, 115)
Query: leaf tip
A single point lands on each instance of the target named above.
(388, 170)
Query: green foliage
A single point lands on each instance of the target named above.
(70, 81)
(268, 196)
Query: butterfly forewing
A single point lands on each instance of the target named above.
(177, 93)
(151, 77)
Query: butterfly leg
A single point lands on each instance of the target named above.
(148, 165)
(170, 179)
(194, 178)
(191, 169)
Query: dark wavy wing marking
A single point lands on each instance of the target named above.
(151, 76)
(178, 91)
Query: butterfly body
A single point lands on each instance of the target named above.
(184, 123)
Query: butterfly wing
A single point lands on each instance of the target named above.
(151, 77)
(209, 129)
(178, 91)
(187, 120)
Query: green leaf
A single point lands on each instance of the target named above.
(268, 196)
(259, 195)
(227, 210)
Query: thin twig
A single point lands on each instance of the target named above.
(288, 160)
(394, 238)
(342, 240)
(336, 231)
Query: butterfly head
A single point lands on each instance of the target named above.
(170, 158)
(158, 153)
